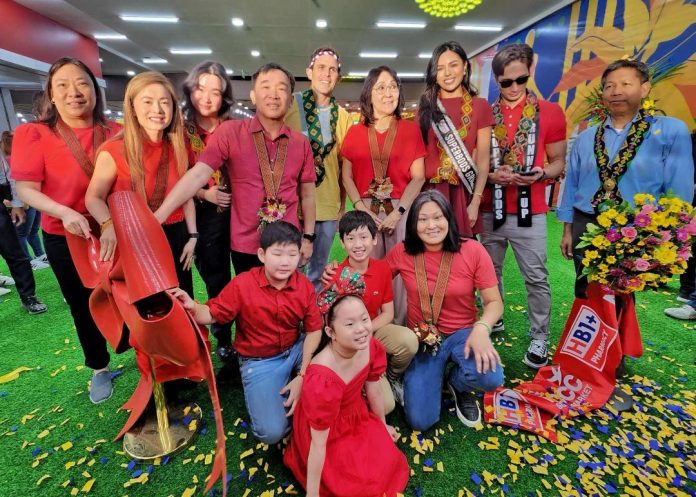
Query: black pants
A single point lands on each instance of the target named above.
(17, 260)
(77, 296)
(244, 262)
(177, 236)
(213, 258)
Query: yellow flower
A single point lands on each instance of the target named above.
(585, 262)
(600, 241)
(648, 104)
(642, 198)
(591, 254)
(603, 220)
(612, 213)
(665, 254)
(611, 260)
(621, 220)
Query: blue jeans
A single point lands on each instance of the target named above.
(262, 380)
(28, 233)
(325, 231)
(423, 379)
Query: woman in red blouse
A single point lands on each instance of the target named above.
(149, 157)
(52, 161)
(449, 94)
(383, 167)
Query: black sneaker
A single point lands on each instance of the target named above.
(498, 326)
(34, 305)
(466, 406)
(226, 352)
(537, 355)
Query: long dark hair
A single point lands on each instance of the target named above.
(191, 83)
(366, 110)
(49, 114)
(427, 108)
(329, 319)
(412, 242)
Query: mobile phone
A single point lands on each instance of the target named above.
(527, 173)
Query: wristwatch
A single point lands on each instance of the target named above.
(193, 235)
(310, 236)
(401, 209)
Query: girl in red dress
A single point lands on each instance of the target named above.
(448, 92)
(341, 444)
(149, 157)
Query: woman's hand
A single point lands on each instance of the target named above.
(360, 206)
(293, 389)
(392, 432)
(107, 243)
(216, 196)
(389, 223)
(472, 210)
(501, 176)
(75, 223)
(187, 254)
(186, 301)
(485, 355)
(329, 272)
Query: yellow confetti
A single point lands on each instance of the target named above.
(88, 486)
(42, 479)
(66, 446)
(189, 492)
(208, 459)
(43, 434)
(246, 453)
(13, 375)
(440, 467)
(74, 491)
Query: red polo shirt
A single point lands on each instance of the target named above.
(408, 146)
(267, 319)
(552, 129)
(39, 154)
(232, 144)
(378, 285)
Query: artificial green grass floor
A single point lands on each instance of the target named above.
(53, 441)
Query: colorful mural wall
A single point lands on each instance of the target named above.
(575, 44)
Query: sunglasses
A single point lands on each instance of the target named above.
(507, 83)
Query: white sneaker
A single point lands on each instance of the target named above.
(397, 388)
(37, 264)
(685, 312)
(4, 291)
(6, 280)
(683, 300)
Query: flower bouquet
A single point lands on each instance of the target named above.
(631, 248)
(429, 337)
(271, 210)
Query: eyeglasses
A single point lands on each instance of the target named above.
(507, 83)
(382, 89)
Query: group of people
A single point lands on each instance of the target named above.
(436, 202)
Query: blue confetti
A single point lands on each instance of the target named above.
(610, 487)
(137, 473)
(165, 460)
(104, 460)
(4, 394)
(131, 465)
(428, 463)
(476, 478)
(116, 374)
(149, 469)
(36, 451)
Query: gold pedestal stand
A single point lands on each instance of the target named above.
(163, 433)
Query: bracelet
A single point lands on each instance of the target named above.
(301, 374)
(479, 194)
(105, 224)
(485, 325)
(359, 200)
(193, 235)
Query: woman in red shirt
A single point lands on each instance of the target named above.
(148, 157)
(450, 98)
(383, 167)
(52, 162)
(207, 103)
(441, 273)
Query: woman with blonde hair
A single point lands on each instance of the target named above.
(148, 157)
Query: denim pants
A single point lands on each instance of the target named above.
(28, 233)
(423, 379)
(262, 380)
(325, 231)
(17, 260)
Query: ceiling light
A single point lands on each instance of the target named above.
(255, 53)
(409, 75)
(107, 112)
(424, 55)
(19, 114)
(109, 36)
(240, 104)
(120, 114)
(237, 21)
(321, 23)
(24, 120)
(154, 60)
(163, 19)
(400, 24)
(378, 55)
(190, 51)
(475, 27)
(130, 73)
(414, 105)
(101, 60)
(229, 72)
(357, 74)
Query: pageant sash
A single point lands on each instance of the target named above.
(272, 209)
(138, 183)
(427, 331)
(502, 152)
(457, 154)
(320, 149)
(69, 137)
(611, 171)
(381, 188)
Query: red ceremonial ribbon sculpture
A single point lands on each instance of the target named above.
(132, 290)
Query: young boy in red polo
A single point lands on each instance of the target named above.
(357, 230)
(268, 304)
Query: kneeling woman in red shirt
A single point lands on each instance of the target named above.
(341, 444)
(441, 273)
(149, 157)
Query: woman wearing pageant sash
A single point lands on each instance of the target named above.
(383, 164)
(456, 126)
(52, 161)
(207, 103)
(148, 157)
(441, 273)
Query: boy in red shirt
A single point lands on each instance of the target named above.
(268, 304)
(357, 231)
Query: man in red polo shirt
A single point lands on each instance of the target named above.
(528, 146)
(270, 167)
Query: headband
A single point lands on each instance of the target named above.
(328, 51)
(349, 283)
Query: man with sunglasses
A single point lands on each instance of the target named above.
(527, 147)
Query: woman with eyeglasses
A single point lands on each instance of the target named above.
(383, 168)
(456, 126)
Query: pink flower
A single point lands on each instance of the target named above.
(629, 232)
(684, 252)
(691, 227)
(682, 235)
(647, 209)
(613, 235)
(642, 265)
(642, 220)
(665, 236)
